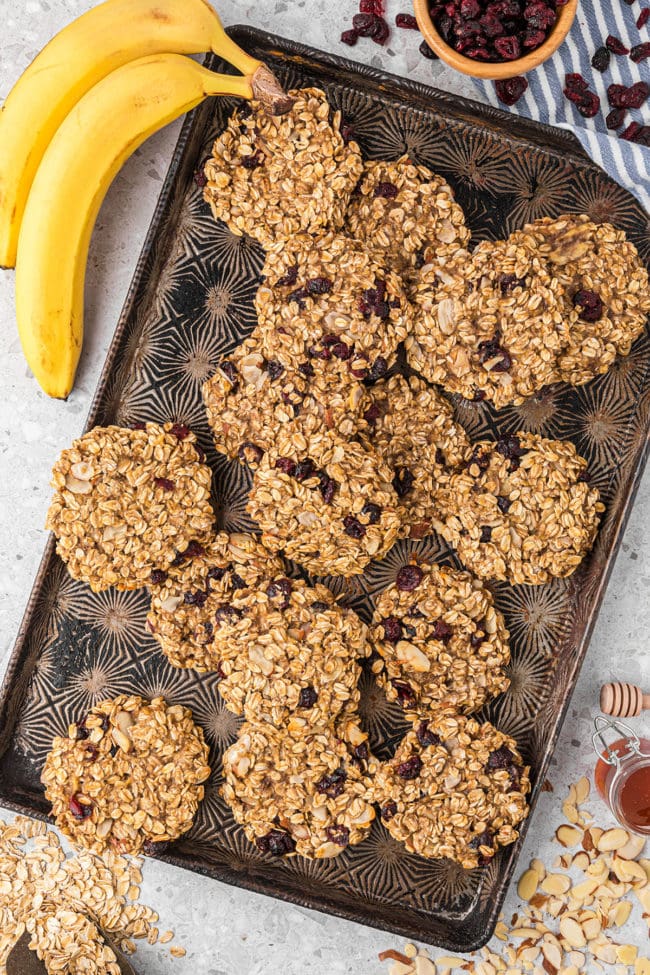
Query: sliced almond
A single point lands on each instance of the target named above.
(412, 657)
(121, 740)
(424, 966)
(580, 860)
(501, 931)
(570, 811)
(591, 927)
(552, 954)
(612, 839)
(555, 906)
(569, 970)
(628, 872)
(538, 867)
(643, 895)
(599, 869)
(104, 828)
(583, 890)
(626, 954)
(619, 914)
(527, 884)
(400, 968)
(556, 883)
(124, 721)
(642, 966)
(604, 952)
(538, 900)
(610, 890)
(646, 866)
(577, 958)
(83, 471)
(582, 790)
(77, 486)
(524, 933)
(450, 961)
(171, 604)
(631, 850)
(572, 932)
(567, 835)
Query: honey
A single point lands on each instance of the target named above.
(624, 782)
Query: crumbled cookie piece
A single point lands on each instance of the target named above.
(288, 653)
(127, 501)
(491, 324)
(400, 210)
(189, 599)
(304, 790)
(442, 642)
(325, 298)
(129, 773)
(607, 295)
(272, 177)
(521, 509)
(251, 396)
(455, 788)
(326, 503)
(414, 431)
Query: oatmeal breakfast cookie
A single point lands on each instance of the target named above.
(129, 774)
(325, 298)
(272, 177)
(304, 789)
(491, 324)
(329, 505)
(442, 642)
(607, 295)
(127, 501)
(251, 396)
(413, 430)
(399, 210)
(521, 509)
(188, 599)
(455, 788)
(289, 651)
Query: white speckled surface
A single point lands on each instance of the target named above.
(226, 930)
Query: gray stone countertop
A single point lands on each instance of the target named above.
(226, 930)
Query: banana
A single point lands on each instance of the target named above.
(103, 129)
(84, 52)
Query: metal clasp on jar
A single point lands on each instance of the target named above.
(623, 731)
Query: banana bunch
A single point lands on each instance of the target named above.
(92, 96)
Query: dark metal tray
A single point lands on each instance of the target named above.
(191, 300)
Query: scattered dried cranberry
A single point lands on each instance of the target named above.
(392, 629)
(587, 102)
(253, 161)
(510, 447)
(503, 503)
(196, 598)
(341, 351)
(361, 753)
(427, 52)
(600, 60)
(409, 578)
(640, 52)
(229, 371)
(200, 178)
(500, 758)
(319, 286)
(307, 697)
(510, 90)
(180, 430)
(332, 785)
(480, 459)
(227, 614)
(410, 769)
(615, 118)
(366, 24)
(79, 810)
(216, 573)
(139, 425)
(386, 190)
(286, 465)
(508, 282)
(382, 33)
(372, 512)
(289, 278)
(378, 369)
(339, 835)
(388, 811)
(636, 95)
(615, 45)
(402, 481)
(589, 304)
(482, 839)
(441, 631)
(280, 588)
(157, 577)
(642, 19)
(405, 694)
(82, 731)
(164, 483)
(508, 48)
(353, 528)
(372, 414)
(277, 842)
(486, 533)
(299, 296)
(425, 736)
(250, 453)
(304, 470)
(631, 132)
(327, 487)
(350, 37)
(274, 369)
(490, 349)
(407, 21)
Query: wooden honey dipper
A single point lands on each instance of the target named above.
(623, 700)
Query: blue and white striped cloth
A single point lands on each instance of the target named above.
(627, 163)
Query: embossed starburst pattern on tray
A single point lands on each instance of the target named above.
(192, 302)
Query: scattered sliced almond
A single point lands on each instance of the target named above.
(553, 954)
(604, 952)
(527, 884)
(538, 867)
(556, 883)
(644, 897)
(619, 914)
(450, 961)
(612, 839)
(628, 872)
(572, 932)
(581, 861)
(570, 811)
(626, 954)
(646, 866)
(424, 966)
(631, 850)
(399, 968)
(567, 835)
(592, 927)
(642, 966)
(582, 790)
(410, 950)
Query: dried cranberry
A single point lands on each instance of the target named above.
(327, 487)
(157, 577)
(371, 7)
(372, 512)
(479, 458)
(631, 132)
(180, 430)
(600, 60)
(388, 811)
(347, 132)
(372, 414)
(227, 614)
(339, 835)
(642, 19)
(91, 751)
(236, 581)
(216, 573)
(486, 533)
(409, 769)
(491, 26)
(353, 528)
(209, 630)
(341, 351)
(382, 33)
(486, 838)
(280, 588)
(503, 503)
(403, 481)
(229, 371)
(441, 631)
(332, 785)
(365, 24)
(490, 349)
(286, 465)
(386, 190)
(307, 697)
(361, 753)
(615, 118)
(196, 598)
(508, 282)
(304, 470)
(298, 296)
(589, 305)
(350, 37)
(82, 731)
(427, 52)
(274, 369)
(500, 758)
(508, 48)
(615, 45)
(139, 425)
(79, 810)
(584, 477)
(469, 9)
(378, 369)
(640, 52)
(289, 278)
(252, 161)
(615, 94)
(250, 453)
(510, 447)
(510, 90)
(392, 629)
(164, 483)
(406, 21)
(636, 95)
(319, 286)
(409, 578)
(200, 178)
(425, 736)
(405, 694)
(277, 842)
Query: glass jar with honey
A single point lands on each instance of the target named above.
(622, 774)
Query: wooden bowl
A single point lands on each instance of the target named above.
(495, 70)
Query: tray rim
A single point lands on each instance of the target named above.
(546, 138)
